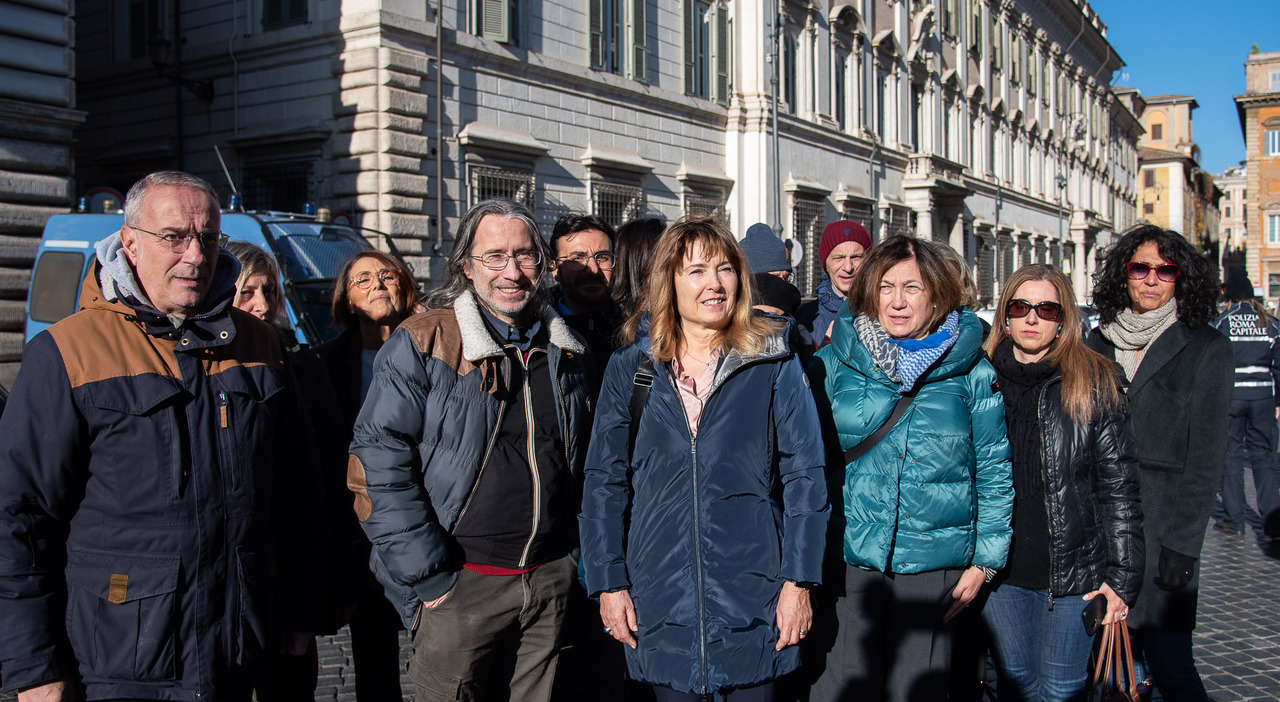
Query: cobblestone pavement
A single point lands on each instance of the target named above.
(1237, 642)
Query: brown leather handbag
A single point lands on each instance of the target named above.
(1113, 679)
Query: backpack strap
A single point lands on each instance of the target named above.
(641, 382)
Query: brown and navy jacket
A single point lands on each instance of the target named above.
(151, 504)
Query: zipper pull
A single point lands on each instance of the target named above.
(222, 408)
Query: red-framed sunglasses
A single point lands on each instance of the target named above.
(1047, 311)
(1137, 270)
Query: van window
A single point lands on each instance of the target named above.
(55, 286)
(315, 251)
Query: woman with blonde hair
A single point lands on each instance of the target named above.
(704, 507)
(1077, 521)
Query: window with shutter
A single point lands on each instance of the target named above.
(721, 55)
(640, 40)
(496, 20)
(596, 10)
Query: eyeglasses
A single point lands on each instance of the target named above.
(386, 276)
(1167, 272)
(603, 259)
(180, 242)
(498, 260)
(1048, 311)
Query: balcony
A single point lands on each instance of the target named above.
(940, 175)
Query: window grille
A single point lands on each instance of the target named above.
(1042, 252)
(616, 204)
(283, 186)
(707, 206)
(861, 213)
(496, 182)
(901, 222)
(807, 222)
(1005, 258)
(986, 270)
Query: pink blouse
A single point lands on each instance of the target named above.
(694, 391)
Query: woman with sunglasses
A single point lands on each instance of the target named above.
(1155, 296)
(1077, 522)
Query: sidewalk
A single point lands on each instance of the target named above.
(1237, 638)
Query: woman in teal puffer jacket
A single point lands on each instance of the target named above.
(924, 512)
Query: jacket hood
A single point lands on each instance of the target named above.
(478, 343)
(957, 361)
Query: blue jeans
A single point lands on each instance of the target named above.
(1041, 653)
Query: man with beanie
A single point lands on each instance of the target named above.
(1252, 437)
(843, 245)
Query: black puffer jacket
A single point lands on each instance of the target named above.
(1091, 494)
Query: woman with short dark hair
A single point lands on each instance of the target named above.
(918, 424)
(702, 525)
(1155, 296)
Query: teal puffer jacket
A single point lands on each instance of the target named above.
(937, 491)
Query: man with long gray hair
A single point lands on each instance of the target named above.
(467, 466)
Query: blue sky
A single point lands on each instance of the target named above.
(1182, 47)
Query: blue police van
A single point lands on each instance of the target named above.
(309, 248)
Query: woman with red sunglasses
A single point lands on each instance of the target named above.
(1077, 522)
(1156, 295)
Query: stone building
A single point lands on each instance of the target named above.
(37, 116)
(1173, 191)
(1259, 110)
(987, 124)
(1232, 232)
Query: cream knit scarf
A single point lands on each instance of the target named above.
(1132, 333)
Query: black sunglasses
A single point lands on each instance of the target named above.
(1047, 311)
(1168, 272)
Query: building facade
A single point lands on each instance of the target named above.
(1259, 110)
(986, 124)
(1173, 191)
(37, 116)
(1232, 232)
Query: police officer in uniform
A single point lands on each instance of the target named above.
(1254, 340)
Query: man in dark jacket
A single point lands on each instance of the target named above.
(582, 251)
(467, 466)
(1255, 341)
(149, 498)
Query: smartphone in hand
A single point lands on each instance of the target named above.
(1095, 611)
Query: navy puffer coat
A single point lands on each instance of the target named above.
(704, 533)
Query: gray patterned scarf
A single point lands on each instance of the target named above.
(1131, 333)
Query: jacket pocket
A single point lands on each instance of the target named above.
(253, 628)
(246, 422)
(122, 614)
(146, 406)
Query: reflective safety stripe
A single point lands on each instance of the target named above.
(1253, 384)
(1253, 369)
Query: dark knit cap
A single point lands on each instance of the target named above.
(776, 292)
(1238, 286)
(839, 232)
(765, 251)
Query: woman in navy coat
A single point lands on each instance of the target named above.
(703, 542)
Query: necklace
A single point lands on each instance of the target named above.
(699, 360)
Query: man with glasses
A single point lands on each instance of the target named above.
(150, 507)
(582, 250)
(467, 466)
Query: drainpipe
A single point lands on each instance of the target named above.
(773, 82)
(439, 246)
